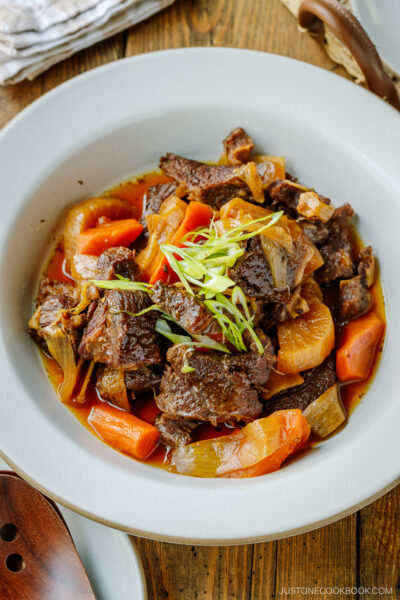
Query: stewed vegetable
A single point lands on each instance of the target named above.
(210, 316)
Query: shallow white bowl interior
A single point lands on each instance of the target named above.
(117, 121)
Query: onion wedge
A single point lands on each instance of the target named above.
(257, 449)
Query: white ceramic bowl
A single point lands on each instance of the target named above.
(116, 121)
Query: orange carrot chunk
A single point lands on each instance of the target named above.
(124, 431)
(257, 449)
(360, 339)
(197, 215)
(116, 233)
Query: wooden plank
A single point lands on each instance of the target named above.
(188, 572)
(263, 573)
(324, 558)
(327, 556)
(379, 546)
(16, 97)
(258, 25)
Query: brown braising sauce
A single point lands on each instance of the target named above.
(145, 407)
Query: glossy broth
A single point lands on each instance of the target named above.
(145, 407)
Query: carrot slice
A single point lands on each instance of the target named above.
(85, 215)
(197, 215)
(298, 431)
(257, 449)
(360, 339)
(117, 233)
(124, 431)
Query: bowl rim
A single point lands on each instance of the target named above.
(185, 530)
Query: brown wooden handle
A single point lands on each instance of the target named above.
(349, 30)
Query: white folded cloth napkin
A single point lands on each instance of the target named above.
(36, 34)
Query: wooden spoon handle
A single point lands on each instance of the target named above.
(349, 30)
(38, 560)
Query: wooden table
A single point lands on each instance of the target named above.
(363, 549)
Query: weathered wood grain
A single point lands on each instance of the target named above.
(258, 25)
(189, 572)
(363, 549)
(324, 558)
(379, 546)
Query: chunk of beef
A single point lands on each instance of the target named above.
(189, 312)
(143, 379)
(354, 298)
(316, 231)
(253, 273)
(212, 184)
(115, 337)
(67, 293)
(117, 261)
(316, 382)
(275, 313)
(110, 384)
(366, 265)
(54, 302)
(155, 196)
(220, 389)
(238, 146)
(336, 250)
(284, 196)
(174, 432)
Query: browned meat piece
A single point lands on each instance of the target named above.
(366, 265)
(115, 337)
(54, 303)
(316, 231)
(354, 298)
(238, 146)
(155, 196)
(143, 379)
(212, 184)
(253, 274)
(68, 294)
(338, 263)
(110, 384)
(316, 382)
(284, 196)
(337, 251)
(275, 313)
(117, 261)
(174, 432)
(221, 389)
(189, 312)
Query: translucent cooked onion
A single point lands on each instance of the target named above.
(311, 206)
(258, 448)
(61, 349)
(326, 413)
(274, 167)
(161, 228)
(249, 174)
(81, 397)
(277, 260)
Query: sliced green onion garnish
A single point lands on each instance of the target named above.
(122, 284)
(202, 341)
